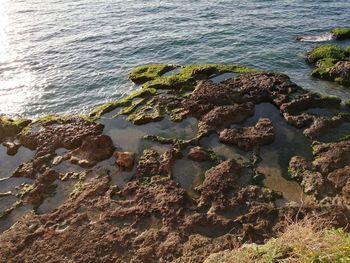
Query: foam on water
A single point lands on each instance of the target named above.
(321, 38)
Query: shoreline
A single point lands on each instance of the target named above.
(177, 169)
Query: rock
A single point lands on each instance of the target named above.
(341, 33)
(152, 163)
(69, 134)
(152, 221)
(33, 168)
(340, 177)
(223, 116)
(218, 181)
(124, 160)
(320, 126)
(93, 150)
(328, 174)
(198, 154)
(340, 72)
(203, 73)
(248, 138)
(12, 148)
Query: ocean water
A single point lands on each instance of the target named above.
(67, 56)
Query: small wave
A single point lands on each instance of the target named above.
(321, 38)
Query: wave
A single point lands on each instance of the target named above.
(320, 38)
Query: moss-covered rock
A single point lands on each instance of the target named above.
(187, 76)
(10, 128)
(145, 115)
(347, 51)
(332, 63)
(144, 73)
(325, 51)
(123, 102)
(341, 33)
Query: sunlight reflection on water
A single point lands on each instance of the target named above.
(18, 84)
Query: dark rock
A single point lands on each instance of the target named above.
(198, 154)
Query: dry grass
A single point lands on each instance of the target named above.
(308, 240)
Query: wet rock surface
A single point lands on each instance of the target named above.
(124, 160)
(133, 207)
(198, 154)
(331, 62)
(69, 134)
(93, 150)
(249, 137)
(327, 176)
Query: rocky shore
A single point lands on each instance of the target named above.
(332, 62)
(176, 171)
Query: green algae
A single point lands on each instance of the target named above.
(146, 114)
(144, 73)
(187, 76)
(10, 128)
(325, 52)
(341, 33)
(129, 109)
(325, 57)
(123, 102)
(347, 103)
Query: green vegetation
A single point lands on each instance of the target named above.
(186, 77)
(145, 115)
(326, 58)
(308, 240)
(347, 51)
(144, 73)
(151, 77)
(9, 128)
(123, 102)
(341, 33)
(347, 103)
(325, 51)
(129, 109)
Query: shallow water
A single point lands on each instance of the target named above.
(68, 56)
(10, 163)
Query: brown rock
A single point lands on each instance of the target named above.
(124, 160)
(249, 137)
(341, 70)
(93, 150)
(69, 134)
(198, 154)
(12, 148)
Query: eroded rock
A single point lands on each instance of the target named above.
(248, 138)
(93, 150)
(327, 174)
(69, 135)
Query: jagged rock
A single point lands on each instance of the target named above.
(248, 138)
(69, 135)
(341, 72)
(328, 174)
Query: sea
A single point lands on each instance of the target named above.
(68, 56)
